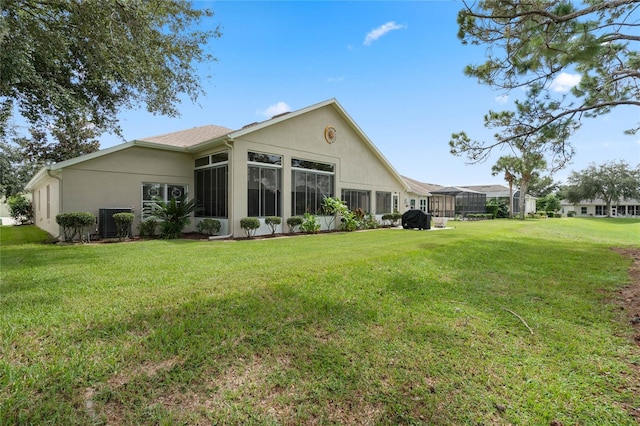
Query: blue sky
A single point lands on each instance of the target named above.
(396, 68)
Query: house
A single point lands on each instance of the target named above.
(444, 201)
(598, 207)
(501, 193)
(282, 167)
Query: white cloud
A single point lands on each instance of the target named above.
(564, 82)
(502, 99)
(376, 33)
(274, 109)
(335, 79)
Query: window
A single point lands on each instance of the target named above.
(583, 210)
(622, 210)
(154, 192)
(264, 184)
(383, 202)
(601, 210)
(423, 204)
(48, 202)
(355, 199)
(212, 191)
(311, 182)
(39, 200)
(412, 204)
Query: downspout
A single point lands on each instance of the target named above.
(231, 170)
(59, 179)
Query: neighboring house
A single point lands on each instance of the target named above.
(420, 196)
(5, 213)
(501, 193)
(443, 201)
(282, 167)
(597, 207)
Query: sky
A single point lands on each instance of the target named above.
(395, 67)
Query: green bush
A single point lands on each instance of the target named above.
(479, 216)
(293, 223)
(20, 209)
(250, 225)
(74, 223)
(370, 222)
(173, 215)
(147, 228)
(310, 224)
(392, 218)
(123, 223)
(208, 226)
(571, 213)
(272, 222)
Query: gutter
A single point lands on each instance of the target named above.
(60, 198)
(227, 141)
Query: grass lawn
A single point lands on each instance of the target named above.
(378, 327)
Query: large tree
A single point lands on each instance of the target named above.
(534, 42)
(93, 58)
(547, 148)
(612, 182)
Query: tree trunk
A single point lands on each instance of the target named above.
(524, 187)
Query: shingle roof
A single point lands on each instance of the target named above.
(189, 137)
(421, 188)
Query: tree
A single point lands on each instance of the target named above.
(91, 59)
(532, 43)
(611, 182)
(505, 165)
(532, 151)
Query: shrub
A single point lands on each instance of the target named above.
(310, 224)
(571, 213)
(293, 223)
(74, 223)
(392, 218)
(147, 228)
(349, 221)
(173, 215)
(370, 222)
(250, 225)
(272, 222)
(20, 208)
(331, 208)
(123, 223)
(208, 226)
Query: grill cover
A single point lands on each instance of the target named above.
(412, 219)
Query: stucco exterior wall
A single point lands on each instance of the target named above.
(302, 137)
(113, 180)
(46, 200)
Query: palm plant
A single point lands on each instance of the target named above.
(173, 215)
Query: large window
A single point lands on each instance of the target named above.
(154, 192)
(265, 184)
(311, 182)
(601, 210)
(355, 199)
(383, 202)
(210, 178)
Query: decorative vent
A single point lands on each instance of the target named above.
(106, 224)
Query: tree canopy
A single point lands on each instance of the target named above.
(612, 182)
(91, 58)
(530, 44)
(547, 148)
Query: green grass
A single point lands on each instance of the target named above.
(379, 327)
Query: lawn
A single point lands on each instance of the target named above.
(494, 322)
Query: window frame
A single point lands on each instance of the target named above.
(307, 169)
(270, 163)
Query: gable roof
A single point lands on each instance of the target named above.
(199, 138)
(189, 137)
(421, 188)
